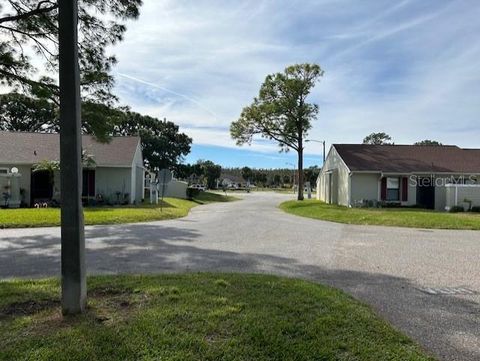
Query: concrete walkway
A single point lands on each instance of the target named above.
(426, 282)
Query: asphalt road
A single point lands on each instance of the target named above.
(426, 282)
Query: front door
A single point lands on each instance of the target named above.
(41, 186)
(88, 184)
(426, 192)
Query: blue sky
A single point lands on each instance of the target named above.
(410, 68)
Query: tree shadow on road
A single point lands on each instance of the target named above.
(445, 324)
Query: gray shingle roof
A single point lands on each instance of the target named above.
(31, 148)
(409, 158)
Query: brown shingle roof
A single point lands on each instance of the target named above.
(409, 158)
(31, 148)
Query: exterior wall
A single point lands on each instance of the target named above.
(456, 195)
(364, 186)
(412, 193)
(109, 181)
(340, 184)
(442, 199)
(177, 189)
(138, 176)
(139, 184)
(24, 181)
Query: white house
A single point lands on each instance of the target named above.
(116, 176)
(435, 177)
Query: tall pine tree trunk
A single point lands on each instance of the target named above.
(300, 173)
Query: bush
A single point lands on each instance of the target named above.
(192, 193)
(475, 209)
(457, 209)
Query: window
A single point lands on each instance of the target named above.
(393, 189)
(3, 170)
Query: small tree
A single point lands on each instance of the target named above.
(211, 172)
(247, 174)
(377, 139)
(281, 112)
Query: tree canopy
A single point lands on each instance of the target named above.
(378, 139)
(21, 113)
(428, 142)
(281, 112)
(164, 146)
(29, 50)
(247, 174)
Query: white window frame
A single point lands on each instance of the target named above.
(397, 179)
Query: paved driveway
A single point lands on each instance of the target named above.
(395, 270)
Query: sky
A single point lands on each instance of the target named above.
(408, 68)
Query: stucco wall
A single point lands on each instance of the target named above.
(108, 181)
(137, 176)
(364, 187)
(139, 184)
(340, 177)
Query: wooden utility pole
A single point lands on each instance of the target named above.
(74, 285)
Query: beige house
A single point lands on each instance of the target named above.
(435, 177)
(117, 174)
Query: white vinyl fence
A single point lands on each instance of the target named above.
(464, 195)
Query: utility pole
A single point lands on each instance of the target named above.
(74, 285)
(319, 141)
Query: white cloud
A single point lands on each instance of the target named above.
(409, 68)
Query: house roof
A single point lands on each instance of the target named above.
(31, 148)
(409, 158)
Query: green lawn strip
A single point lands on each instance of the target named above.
(401, 217)
(196, 317)
(172, 208)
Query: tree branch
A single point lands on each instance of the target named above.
(37, 11)
(24, 80)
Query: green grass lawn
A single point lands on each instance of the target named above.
(401, 217)
(195, 317)
(172, 208)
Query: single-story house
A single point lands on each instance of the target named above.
(115, 175)
(434, 177)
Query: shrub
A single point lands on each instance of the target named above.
(457, 209)
(475, 209)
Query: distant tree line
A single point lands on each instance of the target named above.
(262, 177)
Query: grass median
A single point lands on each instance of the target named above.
(196, 317)
(400, 217)
(172, 208)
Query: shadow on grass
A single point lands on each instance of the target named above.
(163, 204)
(436, 321)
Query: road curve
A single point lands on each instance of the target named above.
(426, 282)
